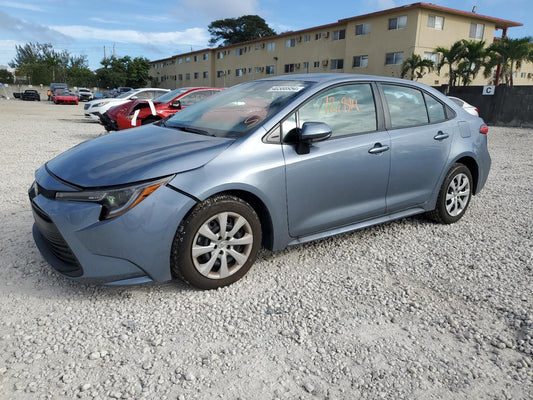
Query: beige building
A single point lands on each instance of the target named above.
(374, 44)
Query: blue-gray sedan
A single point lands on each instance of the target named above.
(268, 163)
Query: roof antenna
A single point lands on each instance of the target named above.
(474, 9)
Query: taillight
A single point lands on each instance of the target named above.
(484, 129)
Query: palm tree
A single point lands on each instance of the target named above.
(510, 53)
(451, 57)
(416, 66)
(473, 58)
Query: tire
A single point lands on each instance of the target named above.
(454, 195)
(215, 261)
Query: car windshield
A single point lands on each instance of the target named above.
(165, 98)
(237, 111)
(126, 95)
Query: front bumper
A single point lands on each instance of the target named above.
(132, 248)
(108, 123)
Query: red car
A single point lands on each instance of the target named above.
(65, 97)
(141, 112)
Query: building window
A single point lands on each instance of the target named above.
(290, 42)
(397, 23)
(271, 46)
(360, 61)
(188, 59)
(206, 74)
(220, 74)
(339, 35)
(238, 52)
(317, 36)
(289, 68)
(306, 65)
(180, 60)
(206, 56)
(428, 55)
(362, 29)
(269, 69)
(195, 58)
(307, 38)
(238, 72)
(337, 63)
(435, 22)
(180, 77)
(196, 75)
(476, 31)
(522, 75)
(257, 70)
(220, 55)
(316, 64)
(187, 77)
(394, 58)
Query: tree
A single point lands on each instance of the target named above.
(415, 65)
(237, 30)
(123, 72)
(451, 57)
(474, 55)
(6, 76)
(509, 53)
(138, 72)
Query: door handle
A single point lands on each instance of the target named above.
(378, 148)
(441, 136)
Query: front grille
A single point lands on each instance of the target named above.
(57, 245)
(86, 106)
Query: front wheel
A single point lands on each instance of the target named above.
(217, 243)
(454, 195)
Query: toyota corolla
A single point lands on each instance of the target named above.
(268, 163)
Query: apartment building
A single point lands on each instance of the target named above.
(375, 44)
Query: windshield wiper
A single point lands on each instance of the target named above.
(190, 129)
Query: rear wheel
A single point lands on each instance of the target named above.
(454, 195)
(217, 243)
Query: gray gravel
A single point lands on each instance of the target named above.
(406, 310)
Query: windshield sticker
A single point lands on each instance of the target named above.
(285, 89)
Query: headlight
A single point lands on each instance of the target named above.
(115, 201)
(102, 103)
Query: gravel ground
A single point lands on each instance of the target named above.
(406, 310)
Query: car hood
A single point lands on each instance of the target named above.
(135, 155)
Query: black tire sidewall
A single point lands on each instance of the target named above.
(182, 262)
(441, 201)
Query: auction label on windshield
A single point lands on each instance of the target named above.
(285, 89)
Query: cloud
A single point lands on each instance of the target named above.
(26, 31)
(218, 9)
(12, 4)
(192, 36)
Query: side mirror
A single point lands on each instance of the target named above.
(176, 104)
(311, 132)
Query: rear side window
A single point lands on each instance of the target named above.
(436, 109)
(348, 109)
(406, 106)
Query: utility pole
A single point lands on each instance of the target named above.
(104, 52)
(114, 55)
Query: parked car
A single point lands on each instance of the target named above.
(122, 89)
(95, 108)
(141, 112)
(54, 86)
(62, 96)
(469, 108)
(271, 163)
(97, 96)
(31, 95)
(84, 94)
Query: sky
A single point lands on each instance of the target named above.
(163, 28)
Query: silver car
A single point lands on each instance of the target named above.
(270, 163)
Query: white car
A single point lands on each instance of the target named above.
(96, 108)
(84, 94)
(469, 108)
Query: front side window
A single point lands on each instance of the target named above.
(394, 58)
(476, 31)
(348, 110)
(397, 23)
(360, 61)
(406, 106)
